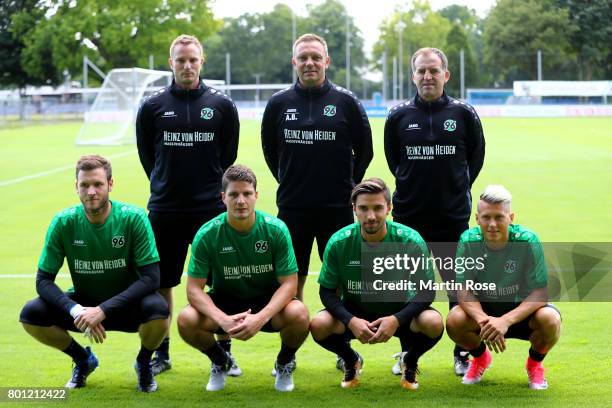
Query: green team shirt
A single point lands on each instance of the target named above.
(516, 270)
(244, 266)
(342, 265)
(102, 259)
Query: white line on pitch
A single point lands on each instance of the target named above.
(53, 171)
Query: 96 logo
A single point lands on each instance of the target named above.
(118, 241)
(261, 246)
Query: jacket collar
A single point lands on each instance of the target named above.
(319, 90)
(176, 90)
(437, 104)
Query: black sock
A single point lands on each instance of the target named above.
(164, 347)
(458, 350)
(535, 356)
(286, 354)
(144, 355)
(420, 345)
(336, 343)
(76, 351)
(216, 354)
(478, 351)
(226, 345)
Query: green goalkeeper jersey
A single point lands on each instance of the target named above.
(516, 270)
(342, 267)
(244, 266)
(102, 259)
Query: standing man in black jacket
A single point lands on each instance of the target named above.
(317, 142)
(435, 147)
(187, 135)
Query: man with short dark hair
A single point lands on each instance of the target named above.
(516, 307)
(249, 257)
(114, 266)
(187, 135)
(435, 148)
(314, 119)
(348, 314)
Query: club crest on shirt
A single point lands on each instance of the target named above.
(510, 266)
(329, 110)
(207, 113)
(261, 246)
(450, 125)
(118, 241)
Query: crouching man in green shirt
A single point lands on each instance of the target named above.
(348, 315)
(249, 258)
(114, 266)
(511, 259)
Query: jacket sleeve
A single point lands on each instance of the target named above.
(392, 145)
(361, 133)
(231, 133)
(268, 138)
(475, 143)
(147, 283)
(145, 138)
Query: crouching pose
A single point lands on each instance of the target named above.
(347, 315)
(248, 255)
(511, 258)
(114, 266)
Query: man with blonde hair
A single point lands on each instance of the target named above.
(516, 305)
(187, 135)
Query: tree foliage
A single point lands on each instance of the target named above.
(516, 29)
(112, 34)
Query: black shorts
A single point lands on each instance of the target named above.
(520, 330)
(307, 224)
(173, 235)
(442, 242)
(402, 331)
(231, 305)
(38, 312)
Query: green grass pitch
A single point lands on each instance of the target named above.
(559, 171)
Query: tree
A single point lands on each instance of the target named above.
(329, 20)
(258, 43)
(112, 34)
(590, 38)
(423, 27)
(456, 41)
(11, 48)
(516, 29)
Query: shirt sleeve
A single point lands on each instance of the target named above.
(329, 277)
(145, 138)
(199, 263)
(144, 250)
(230, 136)
(475, 143)
(52, 257)
(268, 138)
(284, 256)
(392, 147)
(538, 273)
(361, 134)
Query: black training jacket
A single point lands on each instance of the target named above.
(435, 150)
(186, 139)
(317, 143)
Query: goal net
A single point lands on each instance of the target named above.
(111, 118)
